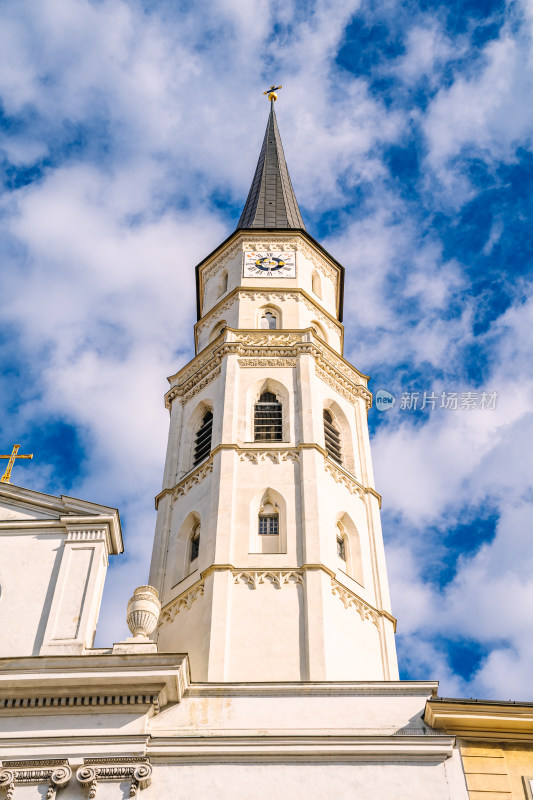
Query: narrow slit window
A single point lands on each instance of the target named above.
(202, 445)
(332, 438)
(195, 545)
(268, 418)
(268, 525)
(341, 548)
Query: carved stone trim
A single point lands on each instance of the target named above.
(136, 770)
(269, 338)
(208, 271)
(267, 362)
(193, 479)
(351, 600)
(276, 577)
(184, 601)
(264, 456)
(329, 366)
(84, 535)
(55, 772)
(345, 388)
(339, 476)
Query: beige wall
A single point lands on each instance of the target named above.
(495, 771)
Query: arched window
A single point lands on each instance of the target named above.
(268, 418)
(268, 320)
(268, 520)
(195, 544)
(202, 444)
(341, 544)
(332, 437)
(316, 285)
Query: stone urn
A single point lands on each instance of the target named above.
(143, 611)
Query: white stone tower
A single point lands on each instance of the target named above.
(268, 552)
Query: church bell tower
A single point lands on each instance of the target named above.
(268, 553)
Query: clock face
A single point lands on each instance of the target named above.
(269, 265)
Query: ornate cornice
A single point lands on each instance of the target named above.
(257, 344)
(273, 455)
(277, 577)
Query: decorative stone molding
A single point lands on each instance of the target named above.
(267, 362)
(265, 337)
(345, 388)
(276, 577)
(264, 456)
(271, 244)
(192, 480)
(184, 601)
(332, 369)
(320, 264)
(56, 773)
(143, 611)
(136, 770)
(351, 600)
(197, 387)
(92, 535)
(81, 701)
(208, 271)
(281, 296)
(339, 476)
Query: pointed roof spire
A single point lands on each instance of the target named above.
(271, 201)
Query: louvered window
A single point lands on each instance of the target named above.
(202, 446)
(332, 438)
(268, 525)
(195, 544)
(267, 419)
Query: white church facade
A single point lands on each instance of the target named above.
(262, 662)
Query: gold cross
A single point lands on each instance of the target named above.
(14, 454)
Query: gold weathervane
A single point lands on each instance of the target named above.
(14, 454)
(272, 96)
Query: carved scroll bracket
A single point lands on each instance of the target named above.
(137, 771)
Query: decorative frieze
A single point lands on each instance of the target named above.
(266, 456)
(351, 600)
(267, 362)
(344, 387)
(268, 338)
(135, 770)
(276, 577)
(84, 535)
(56, 773)
(193, 479)
(184, 601)
(257, 345)
(208, 271)
(340, 476)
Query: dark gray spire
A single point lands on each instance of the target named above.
(271, 201)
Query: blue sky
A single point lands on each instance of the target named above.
(129, 134)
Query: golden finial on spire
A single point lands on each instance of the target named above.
(272, 96)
